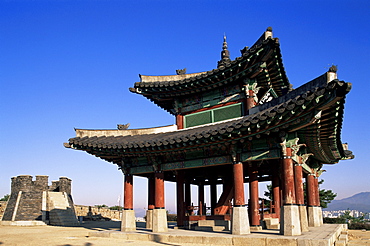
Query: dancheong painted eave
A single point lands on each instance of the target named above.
(313, 111)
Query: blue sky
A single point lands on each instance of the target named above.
(69, 64)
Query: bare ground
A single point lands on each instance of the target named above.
(68, 236)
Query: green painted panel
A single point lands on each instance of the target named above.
(197, 119)
(260, 155)
(216, 160)
(143, 169)
(213, 115)
(173, 165)
(226, 113)
(193, 163)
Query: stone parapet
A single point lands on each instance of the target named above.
(91, 212)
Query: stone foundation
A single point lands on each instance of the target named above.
(303, 218)
(314, 216)
(128, 221)
(149, 219)
(289, 222)
(160, 220)
(240, 221)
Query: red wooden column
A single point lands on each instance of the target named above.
(253, 191)
(317, 192)
(313, 201)
(159, 212)
(290, 217)
(288, 174)
(159, 190)
(200, 197)
(180, 198)
(151, 193)
(128, 214)
(276, 194)
(310, 187)
(239, 199)
(298, 176)
(128, 202)
(240, 220)
(180, 121)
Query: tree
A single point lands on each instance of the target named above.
(116, 208)
(5, 198)
(101, 206)
(326, 196)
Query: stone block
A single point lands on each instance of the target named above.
(217, 240)
(340, 243)
(159, 238)
(313, 217)
(256, 228)
(118, 234)
(138, 236)
(240, 221)
(255, 241)
(160, 220)
(290, 223)
(128, 220)
(303, 218)
(281, 241)
(343, 237)
(149, 219)
(180, 239)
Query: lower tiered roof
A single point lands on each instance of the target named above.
(313, 112)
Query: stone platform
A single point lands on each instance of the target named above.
(326, 235)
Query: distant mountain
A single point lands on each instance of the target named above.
(139, 212)
(360, 202)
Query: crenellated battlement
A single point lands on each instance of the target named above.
(34, 200)
(25, 183)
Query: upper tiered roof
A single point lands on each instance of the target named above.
(263, 62)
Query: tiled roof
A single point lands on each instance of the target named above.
(285, 113)
(262, 61)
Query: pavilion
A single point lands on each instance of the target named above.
(242, 122)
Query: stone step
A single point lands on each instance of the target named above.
(58, 200)
(213, 223)
(272, 223)
(211, 228)
(60, 211)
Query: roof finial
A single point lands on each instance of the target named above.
(225, 55)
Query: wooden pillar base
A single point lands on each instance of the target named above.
(240, 221)
(289, 221)
(159, 220)
(128, 220)
(149, 219)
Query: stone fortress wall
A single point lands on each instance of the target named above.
(2, 208)
(88, 212)
(32, 200)
(95, 213)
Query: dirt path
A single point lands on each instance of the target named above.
(66, 236)
(71, 236)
